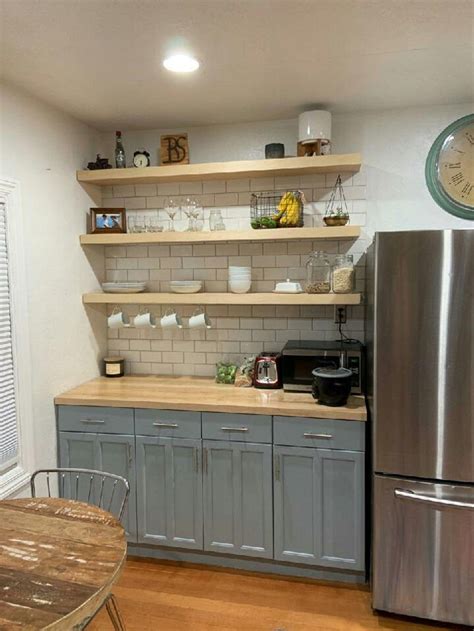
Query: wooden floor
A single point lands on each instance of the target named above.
(156, 596)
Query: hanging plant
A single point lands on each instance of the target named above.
(336, 213)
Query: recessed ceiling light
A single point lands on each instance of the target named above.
(181, 63)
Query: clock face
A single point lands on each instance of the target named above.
(140, 160)
(450, 168)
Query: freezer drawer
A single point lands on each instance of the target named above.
(424, 549)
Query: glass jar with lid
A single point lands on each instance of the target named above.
(318, 274)
(215, 220)
(343, 274)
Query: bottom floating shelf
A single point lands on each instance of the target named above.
(222, 299)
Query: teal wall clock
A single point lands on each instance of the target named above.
(449, 169)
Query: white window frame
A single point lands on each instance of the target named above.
(15, 478)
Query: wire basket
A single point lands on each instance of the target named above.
(276, 210)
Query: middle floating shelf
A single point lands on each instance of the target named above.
(221, 299)
(278, 234)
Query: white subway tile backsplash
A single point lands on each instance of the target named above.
(190, 188)
(214, 186)
(145, 190)
(237, 330)
(127, 190)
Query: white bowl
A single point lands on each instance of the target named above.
(240, 287)
(240, 270)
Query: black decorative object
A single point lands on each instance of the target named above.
(141, 158)
(100, 163)
(275, 150)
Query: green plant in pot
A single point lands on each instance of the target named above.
(336, 208)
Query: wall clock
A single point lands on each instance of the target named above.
(449, 169)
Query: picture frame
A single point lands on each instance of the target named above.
(108, 220)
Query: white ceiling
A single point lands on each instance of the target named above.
(100, 60)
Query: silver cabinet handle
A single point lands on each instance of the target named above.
(195, 460)
(204, 460)
(92, 421)
(169, 425)
(277, 467)
(311, 435)
(434, 501)
(130, 459)
(235, 429)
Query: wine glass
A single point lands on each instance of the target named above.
(189, 209)
(171, 208)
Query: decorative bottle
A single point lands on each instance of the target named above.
(120, 161)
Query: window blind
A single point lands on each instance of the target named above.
(8, 409)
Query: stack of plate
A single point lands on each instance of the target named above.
(132, 287)
(185, 286)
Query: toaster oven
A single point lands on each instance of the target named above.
(301, 357)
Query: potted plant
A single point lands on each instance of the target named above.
(338, 217)
(336, 208)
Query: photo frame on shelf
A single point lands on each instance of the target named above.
(108, 220)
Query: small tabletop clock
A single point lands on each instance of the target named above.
(141, 158)
(449, 169)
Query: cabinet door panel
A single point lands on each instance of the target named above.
(77, 450)
(319, 507)
(238, 498)
(341, 516)
(169, 491)
(116, 454)
(295, 504)
(152, 504)
(185, 488)
(111, 453)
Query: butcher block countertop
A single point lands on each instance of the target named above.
(203, 394)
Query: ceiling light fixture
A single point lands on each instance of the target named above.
(181, 63)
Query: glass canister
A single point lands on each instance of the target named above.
(318, 274)
(215, 220)
(343, 274)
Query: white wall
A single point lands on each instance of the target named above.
(394, 146)
(41, 148)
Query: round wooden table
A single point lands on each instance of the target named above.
(58, 562)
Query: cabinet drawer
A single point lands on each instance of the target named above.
(168, 423)
(310, 432)
(87, 418)
(252, 428)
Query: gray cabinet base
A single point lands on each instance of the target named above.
(240, 563)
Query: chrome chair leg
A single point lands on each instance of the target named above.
(114, 613)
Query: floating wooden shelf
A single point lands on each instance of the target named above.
(344, 163)
(279, 234)
(222, 299)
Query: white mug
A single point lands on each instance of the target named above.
(144, 320)
(171, 320)
(118, 319)
(199, 320)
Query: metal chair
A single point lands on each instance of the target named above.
(105, 490)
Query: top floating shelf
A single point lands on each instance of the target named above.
(344, 163)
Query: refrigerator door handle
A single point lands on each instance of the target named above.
(434, 501)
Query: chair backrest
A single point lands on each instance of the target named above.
(105, 490)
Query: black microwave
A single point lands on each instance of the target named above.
(301, 357)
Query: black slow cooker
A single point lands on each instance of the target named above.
(332, 386)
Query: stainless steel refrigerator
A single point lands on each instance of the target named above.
(421, 342)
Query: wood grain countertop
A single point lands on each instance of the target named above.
(203, 394)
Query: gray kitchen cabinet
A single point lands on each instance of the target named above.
(111, 453)
(237, 481)
(169, 492)
(319, 506)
